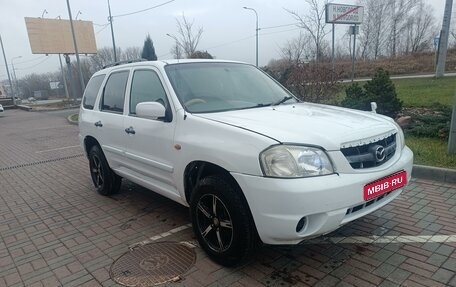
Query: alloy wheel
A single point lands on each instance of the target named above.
(96, 171)
(214, 223)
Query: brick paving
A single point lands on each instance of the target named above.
(56, 231)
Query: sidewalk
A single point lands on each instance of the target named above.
(56, 231)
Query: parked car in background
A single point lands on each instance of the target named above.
(252, 162)
(1, 110)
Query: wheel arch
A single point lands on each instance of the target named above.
(89, 142)
(198, 169)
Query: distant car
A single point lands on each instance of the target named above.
(1, 110)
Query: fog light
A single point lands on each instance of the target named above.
(301, 224)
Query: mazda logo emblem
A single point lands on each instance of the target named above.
(380, 153)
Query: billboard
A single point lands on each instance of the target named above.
(53, 36)
(344, 14)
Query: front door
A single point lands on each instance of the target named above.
(150, 150)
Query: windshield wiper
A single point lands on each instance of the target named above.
(283, 100)
(262, 105)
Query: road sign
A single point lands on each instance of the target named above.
(436, 41)
(344, 14)
(352, 30)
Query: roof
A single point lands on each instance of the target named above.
(162, 63)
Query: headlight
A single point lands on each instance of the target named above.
(295, 161)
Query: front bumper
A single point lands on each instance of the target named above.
(327, 202)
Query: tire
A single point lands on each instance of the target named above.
(104, 179)
(228, 234)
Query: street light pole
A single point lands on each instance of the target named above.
(257, 29)
(178, 44)
(7, 70)
(75, 47)
(112, 33)
(14, 75)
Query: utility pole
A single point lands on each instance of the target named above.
(440, 70)
(257, 29)
(353, 31)
(443, 43)
(7, 71)
(332, 52)
(452, 135)
(112, 33)
(81, 78)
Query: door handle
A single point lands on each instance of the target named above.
(98, 124)
(130, 130)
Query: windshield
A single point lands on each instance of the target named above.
(215, 87)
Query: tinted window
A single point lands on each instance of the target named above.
(91, 91)
(114, 92)
(146, 87)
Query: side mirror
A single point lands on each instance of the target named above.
(150, 110)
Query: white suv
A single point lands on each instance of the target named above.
(252, 162)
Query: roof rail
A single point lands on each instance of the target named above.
(123, 62)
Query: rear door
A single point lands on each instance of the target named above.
(150, 149)
(109, 124)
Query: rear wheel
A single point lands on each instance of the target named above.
(104, 179)
(221, 221)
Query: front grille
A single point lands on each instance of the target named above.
(366, 204)
(372, 154)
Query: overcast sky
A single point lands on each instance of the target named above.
(229, 30)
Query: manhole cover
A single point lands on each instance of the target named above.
(152, 264)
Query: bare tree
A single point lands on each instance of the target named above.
(399, 11)
(103, 57)
(295, 49)
(393, 27)
(131, 53)
(372, 36)
(453, 35)
(313, 23)
(419, 27)
(187, 38)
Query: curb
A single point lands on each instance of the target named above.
(54, 109)
(24, 108)
(71, 121)
(434, 173)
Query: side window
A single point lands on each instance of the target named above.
(91, 91)
(114, 92)
(146, 87)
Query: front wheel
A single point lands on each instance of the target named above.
(222, 221)
(104, 179)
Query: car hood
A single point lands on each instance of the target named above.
(312, 124)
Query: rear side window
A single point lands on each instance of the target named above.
(114, 92)
(91, 91)
(146, 87)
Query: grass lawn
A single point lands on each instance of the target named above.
(74, 117)
(430, 151)
(425, 91)
(421, 92)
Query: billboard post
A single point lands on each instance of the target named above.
(81, 78)
(7, 71)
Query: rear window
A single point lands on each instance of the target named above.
(114, 92)
(91, 91)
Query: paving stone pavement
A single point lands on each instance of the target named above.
(56, 231)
